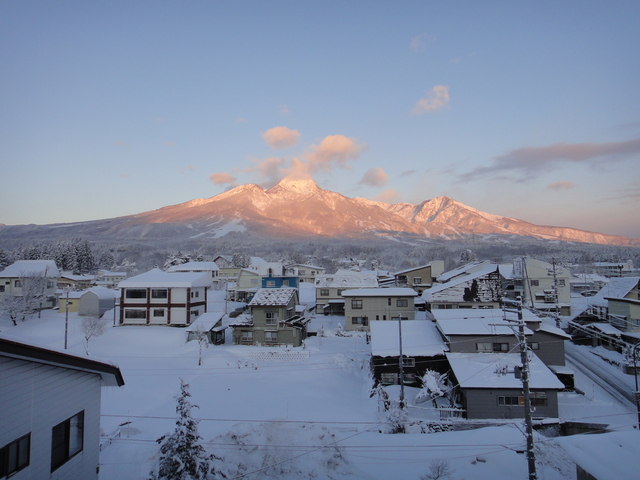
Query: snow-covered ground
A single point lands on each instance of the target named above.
(296, 413)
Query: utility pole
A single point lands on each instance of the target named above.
(66, 320)
(524, 358)
(555, 292)
(401, 362)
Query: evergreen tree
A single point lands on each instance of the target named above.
(182, 457)
(5, 260)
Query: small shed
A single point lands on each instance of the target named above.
(97, 300)
(211, 324)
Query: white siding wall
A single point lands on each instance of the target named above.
(36, 397)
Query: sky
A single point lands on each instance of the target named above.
(523, 109)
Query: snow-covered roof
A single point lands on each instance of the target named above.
(76, 278)
(478, 326)
(107, 273)
(206, 321)
(420, 338)
(492, 315)
(346, 280)
(103, 293)
(605, 455)
(496, 370)
(462, 270)
(194, 267)
(158, 278)
(481, 271)
(554, 331)
(272, 296)
(380, 292)
(605, 328)
(29, 268)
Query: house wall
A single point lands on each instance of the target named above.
(377, 308)
(420, 278)
(10, 288)
(382, 365)
(178, 305)
(483, 403)
(469, 343)
(35, 398)
(629, 310)
(286, 334)
(551, 347)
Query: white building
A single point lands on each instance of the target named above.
(50, 415)
(161, 298)
(31, 277)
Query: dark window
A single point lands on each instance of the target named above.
(356, 304)
(15, 456)
(1, 288)
(324, 292)
(500, 347)
(388, 301)
(67, 440)
(158, 312)
(135, 313)
(535, 283)
(159, 293)
(136, 293)
(511, 400)
(360, 321)
(402, 302)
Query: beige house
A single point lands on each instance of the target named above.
(69, 301)
(275, 318)
(367, 304)
(75, 282)
(482, 288)
(541, 285)
(34, 278)
(419, 278)
(306, 273)
(329, 288)
(247, 284)
(209, 268)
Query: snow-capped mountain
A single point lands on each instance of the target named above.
(298, 208)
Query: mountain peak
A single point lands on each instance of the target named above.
(300, 186)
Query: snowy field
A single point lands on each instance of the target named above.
(301, 413)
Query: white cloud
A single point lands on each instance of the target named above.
(436, 99)
(280, 137)
(375, 177)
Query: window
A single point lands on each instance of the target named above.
(402, 302)
(1, 288)
(67, 440)
(538, 399)
(561, 282)
(417, 280)
(340, 290)
(388, 301)
(135, 313)
(136, 293)
(195, 294)
(195, 313)
(535, 283)
(408, 362)
(324, 292)
(534, 345)
(159, 293)
(356, 304)
(485, 347)
(272, 318)
(271, 283)
(511, 400)
(360, 321)
(49, 284)
(14, 456)
(158, 312)
(500, 347)
(271, 337)
(17, 284)
(247, 337)
(389, 378)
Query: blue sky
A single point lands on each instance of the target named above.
(529, 110)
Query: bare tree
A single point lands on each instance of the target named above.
(203, 340)
(92, 327)
(439, 469)
(13, 306)
(27, 300)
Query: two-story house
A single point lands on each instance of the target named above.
(363, 305)
(274, 318)
(479, 288)
(419, 278)
(329, 288)
(306, 273)
(36, 279)
(210, 268)
(161, 298)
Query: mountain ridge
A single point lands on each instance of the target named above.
(299, 208)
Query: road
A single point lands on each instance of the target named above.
(616, 383)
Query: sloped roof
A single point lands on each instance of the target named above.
(273, 296)
(102, 293)
(496, 370)
(462, 270)
(380, 292)
(27, 268)
(412, 269)
(158, 278)
(484, 270)
(193, 266)
(420, 338)
(347, 280)
(14, 348)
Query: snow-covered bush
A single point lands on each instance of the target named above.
(433, 386)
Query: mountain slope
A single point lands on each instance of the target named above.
(300, 209)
